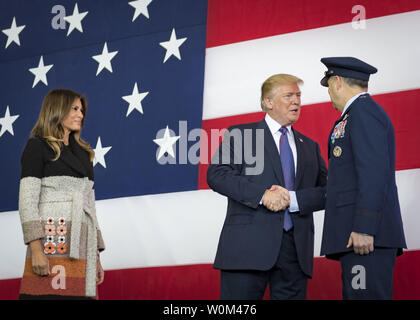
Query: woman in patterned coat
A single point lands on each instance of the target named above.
(57, 204)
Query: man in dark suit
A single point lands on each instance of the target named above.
(362, 226)
(264, 240)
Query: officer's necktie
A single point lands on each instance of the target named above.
(288, 166)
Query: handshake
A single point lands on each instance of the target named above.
(276, 198)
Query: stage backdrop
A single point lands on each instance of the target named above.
(159, 75)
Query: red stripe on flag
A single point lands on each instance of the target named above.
(240, 20)
(317, 120)
(202, 282)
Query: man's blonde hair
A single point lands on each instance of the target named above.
(270, 85)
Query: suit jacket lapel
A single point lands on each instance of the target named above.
(300, 153)
(272, 152)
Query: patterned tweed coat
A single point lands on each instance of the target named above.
(57, 206)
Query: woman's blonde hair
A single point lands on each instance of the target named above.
(270, 85)
(55, 108)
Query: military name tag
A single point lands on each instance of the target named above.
(337, 151)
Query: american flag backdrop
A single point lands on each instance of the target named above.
(159, 75)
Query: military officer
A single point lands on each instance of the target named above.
(363, 227)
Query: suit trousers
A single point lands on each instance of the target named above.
(368, 277)
(285, 279)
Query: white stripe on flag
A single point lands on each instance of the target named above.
(235, 72)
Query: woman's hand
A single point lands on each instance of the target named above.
(100, 274)
(40, 263)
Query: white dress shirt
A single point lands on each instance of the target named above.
(274, 127)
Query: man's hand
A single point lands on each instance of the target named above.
(276, 198)
(362, 243)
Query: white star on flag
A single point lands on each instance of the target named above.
(100, 153)
(166, 143)
(172, 46)
(6, 122)
(141, 8)
(40, 72)
(75, 20)
(135, 99)
(13, 33)
(104, 59)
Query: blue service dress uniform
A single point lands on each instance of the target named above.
(362, 197)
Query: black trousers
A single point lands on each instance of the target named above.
(286, 279)
(368, 277)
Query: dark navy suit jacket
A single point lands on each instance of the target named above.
(361, 190)
(251, 235)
